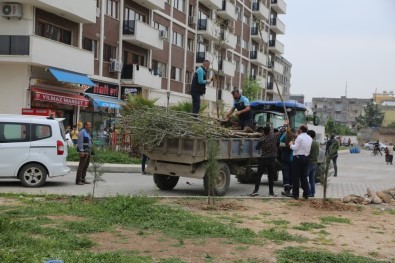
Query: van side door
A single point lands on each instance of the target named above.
(14, 146)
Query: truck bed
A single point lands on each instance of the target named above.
(194, 150)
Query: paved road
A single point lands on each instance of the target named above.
(356, 173)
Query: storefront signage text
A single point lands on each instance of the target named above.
(103, 89)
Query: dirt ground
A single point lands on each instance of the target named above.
(370, 233)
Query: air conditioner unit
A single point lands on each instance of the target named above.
(11, 10)
(115, 66)
(163, 34)
(192, 20)
(200, 39)
(237, 10)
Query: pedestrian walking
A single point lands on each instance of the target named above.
(144, 160)
(286, 159)
(84, 147)
(332, 147)
(312, 163)
(389, 153)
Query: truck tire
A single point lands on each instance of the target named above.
(222, 184)
(165, 182)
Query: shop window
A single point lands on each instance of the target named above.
(90, 44)
(110, 53)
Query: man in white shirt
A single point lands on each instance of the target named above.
(301, 150)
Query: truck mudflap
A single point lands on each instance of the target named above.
(176, 169)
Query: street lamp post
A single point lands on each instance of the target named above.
(168, 99)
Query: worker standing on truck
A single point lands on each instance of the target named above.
(198, 86)
(268, 144)
(242, 104)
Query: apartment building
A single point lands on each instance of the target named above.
(342, 110)
(83, 57)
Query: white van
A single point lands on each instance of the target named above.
(32, 148)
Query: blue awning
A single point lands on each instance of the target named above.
(102, 101)
(71, 77)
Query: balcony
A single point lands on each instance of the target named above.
(261, 36)
(258, 58)
(152, 4)
(228, 11)
(133, 74)
(276, 47)
(74, 10)
(213, 57)
(212, 4)
(51, 53)
(279, 6)
(208, 28)
(277, 26)
(278, 68)
(228, 39)
(260, 11)
(143, 35)
(227, 68)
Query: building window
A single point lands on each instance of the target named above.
(244, 69)
(190, 44)
(159, 68)
(179, 5)
(246, 19)
(130, 14)
(238, 40)
(244, 44)
(112, 8)
(110, 53)
(53, 32)
(178, 39)
(175, 73)
(188, 77)
(90, 44)
(237, 66)
(14, 45)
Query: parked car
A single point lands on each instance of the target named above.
(32, 148)
(370, 146)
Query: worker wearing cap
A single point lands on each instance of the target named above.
(242, 105)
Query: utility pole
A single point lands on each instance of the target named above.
(346, 88)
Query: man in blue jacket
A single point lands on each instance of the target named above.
(198, 86)
(242, 105)
(84, 147)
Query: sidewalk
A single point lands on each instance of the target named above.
(111, 167)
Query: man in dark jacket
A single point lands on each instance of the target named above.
(332, 146)
(84, 147)
(198, 86)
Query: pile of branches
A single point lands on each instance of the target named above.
(150, 125)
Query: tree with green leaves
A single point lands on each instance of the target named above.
(251, 88)
(373, 116)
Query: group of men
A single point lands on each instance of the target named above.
(299, 153)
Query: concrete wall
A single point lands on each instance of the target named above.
(14, 82)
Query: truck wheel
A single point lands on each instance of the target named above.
(165, 182)
(223, 181)
(33, 175)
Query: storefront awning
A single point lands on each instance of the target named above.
(71, 77)
(102, 101)
(59, 97)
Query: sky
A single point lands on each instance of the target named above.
(334, 43)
